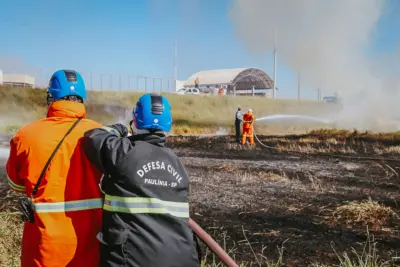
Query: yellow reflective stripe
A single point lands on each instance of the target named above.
(76, 205)
(146, 200)
(145, 210)
(145, 205)
(16, 187)
(110, 130)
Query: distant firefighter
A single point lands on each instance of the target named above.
(248, 119)
(238, 120)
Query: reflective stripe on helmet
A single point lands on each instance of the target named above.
(14, 186)
(76, 205)
(146, 205)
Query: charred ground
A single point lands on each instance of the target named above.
(309, 196)
(311, 203)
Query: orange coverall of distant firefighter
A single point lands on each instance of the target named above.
(248, 119)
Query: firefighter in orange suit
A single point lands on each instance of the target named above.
(248, 119)
(67, 208)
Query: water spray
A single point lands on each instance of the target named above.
(286, 116)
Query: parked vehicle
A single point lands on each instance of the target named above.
(331, 99)
(188, 91)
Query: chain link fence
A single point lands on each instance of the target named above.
(115, 82)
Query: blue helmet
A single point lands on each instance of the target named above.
(153, 112)
(66, 83)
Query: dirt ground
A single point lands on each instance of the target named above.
(256, 201)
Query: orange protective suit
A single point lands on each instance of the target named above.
(248, 119)
(68, 204)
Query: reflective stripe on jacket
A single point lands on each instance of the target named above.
(146, 205)
(77, 205)
(68, 205)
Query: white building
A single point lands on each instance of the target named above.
(1, 77)
(18, 80)
(179, 84)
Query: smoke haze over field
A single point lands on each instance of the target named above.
(326, 42)
(16, 65)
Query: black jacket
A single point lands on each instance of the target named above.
(146, 212)
(238, 117)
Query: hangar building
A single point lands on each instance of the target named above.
(239, 81)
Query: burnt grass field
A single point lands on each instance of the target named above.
(308, 200)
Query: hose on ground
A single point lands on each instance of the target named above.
(209, 241)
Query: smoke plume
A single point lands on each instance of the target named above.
(16, 65)
(325, 41)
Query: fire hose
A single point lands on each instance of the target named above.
(327, 154)
(212, 245)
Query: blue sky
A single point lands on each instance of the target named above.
(136, 37)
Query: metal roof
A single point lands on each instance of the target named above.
(242, 78)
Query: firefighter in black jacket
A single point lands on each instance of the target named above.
(238, 120)
(146, 210)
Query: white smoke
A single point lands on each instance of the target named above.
(222, 131)
(4, 153)
(11, 64)
(325, 41)
(122, 115)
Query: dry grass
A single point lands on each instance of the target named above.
(365, 256)
(11, 233)
(210, 259)
(192, 114)
(10, 239)
(339, 134)
(366, 213)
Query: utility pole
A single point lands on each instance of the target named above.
(175, 64)
(298, 86)
(274, 90)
